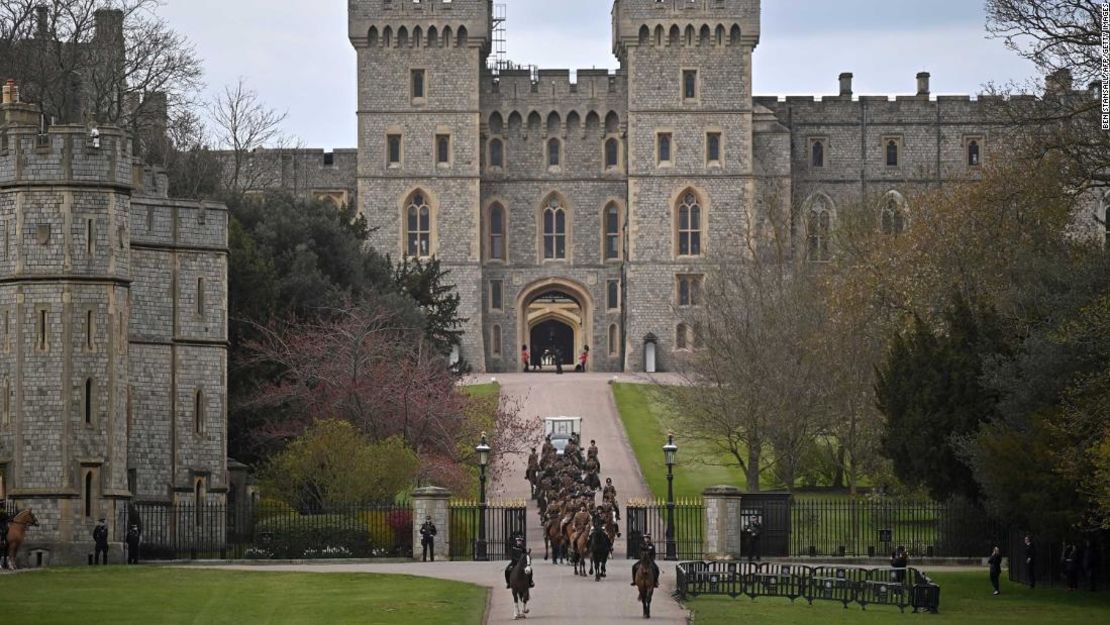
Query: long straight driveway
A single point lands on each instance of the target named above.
(559, 598)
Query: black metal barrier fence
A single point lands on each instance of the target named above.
(901, 588)
(484, 532)
(688, 540)
(266, 530)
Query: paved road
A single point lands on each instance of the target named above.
(560, 598)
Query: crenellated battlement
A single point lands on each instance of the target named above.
(685, 23)
(74, 155)
(420, 23)
(523, 85)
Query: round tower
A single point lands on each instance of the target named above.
(64, 306)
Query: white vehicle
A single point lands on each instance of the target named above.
(560, 430)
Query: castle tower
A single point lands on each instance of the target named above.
(691, 177)
(65, 275)
(419, 69)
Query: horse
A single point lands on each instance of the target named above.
(17, 530)
(600, 548)
(553, 541)
(580, 544)
(518, 582)
(644, 583)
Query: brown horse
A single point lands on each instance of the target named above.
(553, 541)
(17, 530)
(580, 550)
(645, 583)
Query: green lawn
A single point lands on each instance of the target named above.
(481, 391)
(965, 599)
(163, 596)
(646, 420)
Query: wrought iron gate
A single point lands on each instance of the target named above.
(486, 531)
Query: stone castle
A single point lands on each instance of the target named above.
(589, 212)
(113, 357)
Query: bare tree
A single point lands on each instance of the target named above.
(243, 124)
(97, 58)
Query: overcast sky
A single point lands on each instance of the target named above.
(296, 55)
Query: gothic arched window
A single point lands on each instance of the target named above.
(554, 231)
(689, 225)
(612, 153)
(892, 153)
(496, 153)
(818, 232)
(818, 156)
(418, 227)
(973, 158)
(553, 149)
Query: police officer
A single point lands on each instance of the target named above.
(134, 537)
(755, 528)
(100, 538)
(516, 555)
(428, 538)
(646, 548)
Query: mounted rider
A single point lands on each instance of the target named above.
(592, 451)
(533, 466)
(4, 520)
(609, 496)
(647, 548)
(518, 552)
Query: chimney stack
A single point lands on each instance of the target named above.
(923, 84)
(11, 92)
(42, 21)
(846, 85)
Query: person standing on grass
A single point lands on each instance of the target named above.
(134, 538)
(100, 539)
(899, 560)
(428, 538)
(1091, 563)
(1031, 560)
(1071, 567)
(995, 562)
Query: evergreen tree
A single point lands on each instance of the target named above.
(931, 393)
(425, 282)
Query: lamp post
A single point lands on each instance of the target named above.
(483, 460)
(670, 450)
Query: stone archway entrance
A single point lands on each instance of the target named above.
(555, 321)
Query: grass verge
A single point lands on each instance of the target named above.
(146, 595)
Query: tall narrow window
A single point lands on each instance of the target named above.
(88, 401)
(419, 226)
(689, 226)
(90, 236)
(612, 232)
(88, 494)
(394, 149)
(200, 297)
(496, 296)
(892, 153)
(614, 339)
(495, 341)
(43, 329)
(443, 149)
(553, 155)
(689, 84)
(417, 84)
(612, 153)
(973, 153)
(818, 154)
(496, 153)
(198, 501)
(554, 231)
(713, 147)
(681, 336)
(89, 330)
(497, 232)
(664, 147)
(818, 231)
(613, 295)
(7, 402)
(198, 411)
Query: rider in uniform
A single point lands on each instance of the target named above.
(647, 548)
(609, 493)
(517, 554)
(4, 524)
